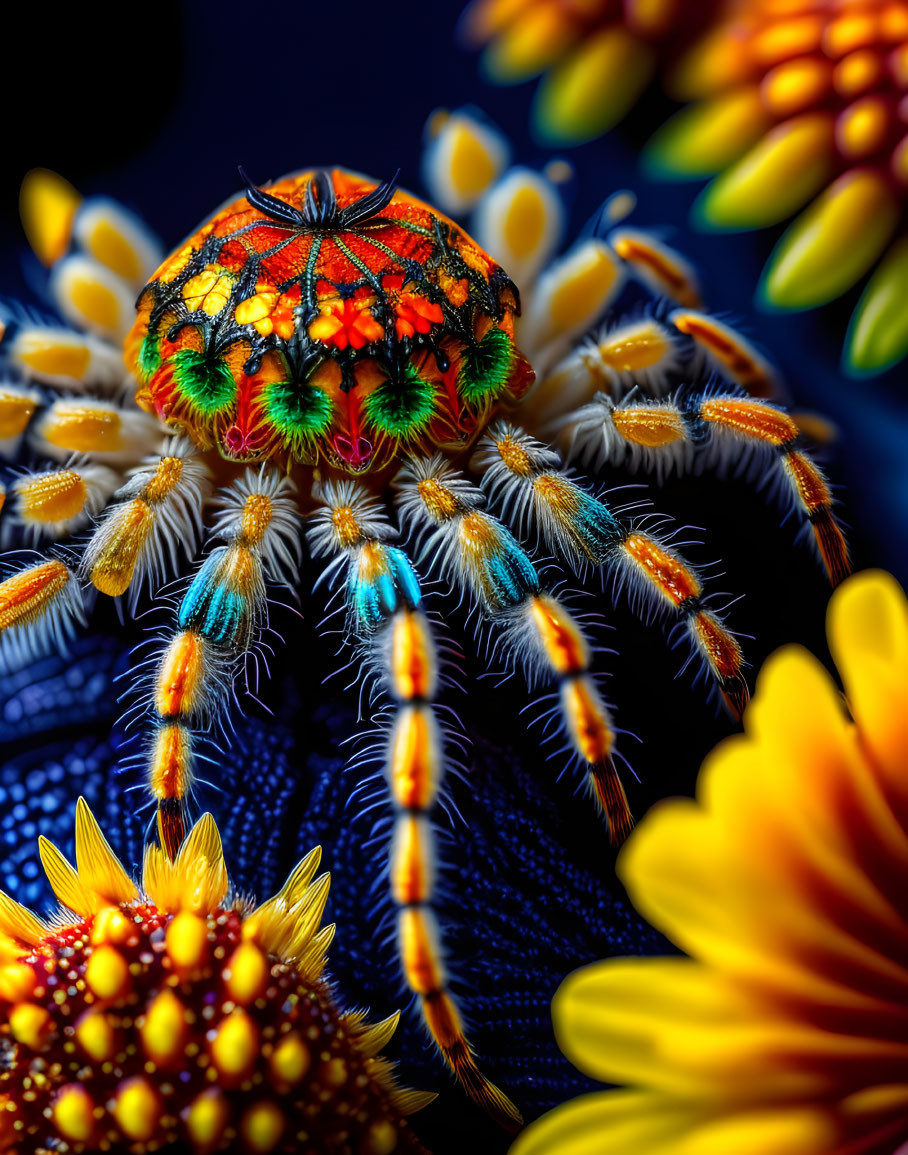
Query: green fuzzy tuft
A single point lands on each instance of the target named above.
(298, 411)
(401, 407)
(149, 355)
(209, 385)
(485, 369)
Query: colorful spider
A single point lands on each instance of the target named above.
(323, 341)
(795, 103)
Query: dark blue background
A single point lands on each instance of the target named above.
(161, 121)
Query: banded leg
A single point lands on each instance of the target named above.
(480, 555)
(386, 619)
(523, 477)
(722, 430)
(218, 621)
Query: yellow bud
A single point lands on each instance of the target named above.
(111, 925)
(235, 1046)
(96, 1036)
(17, 981)
(246, 973)
(290, 1059)
(107, 973)
(187, 940)
(262, 1126)
(164, 1030)
(137, 1109)
(381, 1139)
(29, 1024)
(73, 1113)
(207, 1117)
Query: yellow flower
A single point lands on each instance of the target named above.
(177, 1014)
(786, 1030)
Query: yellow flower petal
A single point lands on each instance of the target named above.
(609, 1123)
(65, 882)
(99, 868)
(868, 636)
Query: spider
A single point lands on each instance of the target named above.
(324, 348)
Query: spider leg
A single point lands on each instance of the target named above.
(481, 556)
(394, 638)
(722, 429)
(523, 477)
(218, 620)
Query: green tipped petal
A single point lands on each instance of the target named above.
(774, 179)
(593, 88)
(705, 138)
(832, 243)
(878, 334)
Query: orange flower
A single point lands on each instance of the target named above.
(415, 314)
(344, 322)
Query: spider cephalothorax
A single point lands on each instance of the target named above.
(327, 317)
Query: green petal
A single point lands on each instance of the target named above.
(774, 179)
(593, 88)
(832, 243)
(706, 137)
(878, 334)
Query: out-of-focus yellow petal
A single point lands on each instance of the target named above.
(611, 1122)
(717, 61)
(48, 206)
(593, 88)
(833, 243)
(462, 160)
(778, 1130)
(708, 136)
(779, 174)
(868, 636)
(529, 45)
(878, 334)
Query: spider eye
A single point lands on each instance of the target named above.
(299, 412)
(485, 368)
(206, 382)
(402, 405)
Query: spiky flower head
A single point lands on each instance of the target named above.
(177, 1014)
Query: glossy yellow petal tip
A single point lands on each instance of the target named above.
(99, 868)
(48, 205)
(868, 620)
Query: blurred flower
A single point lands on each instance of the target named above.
(806, 102)
(786, 1032)
(596, 56)
(176, 1014)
